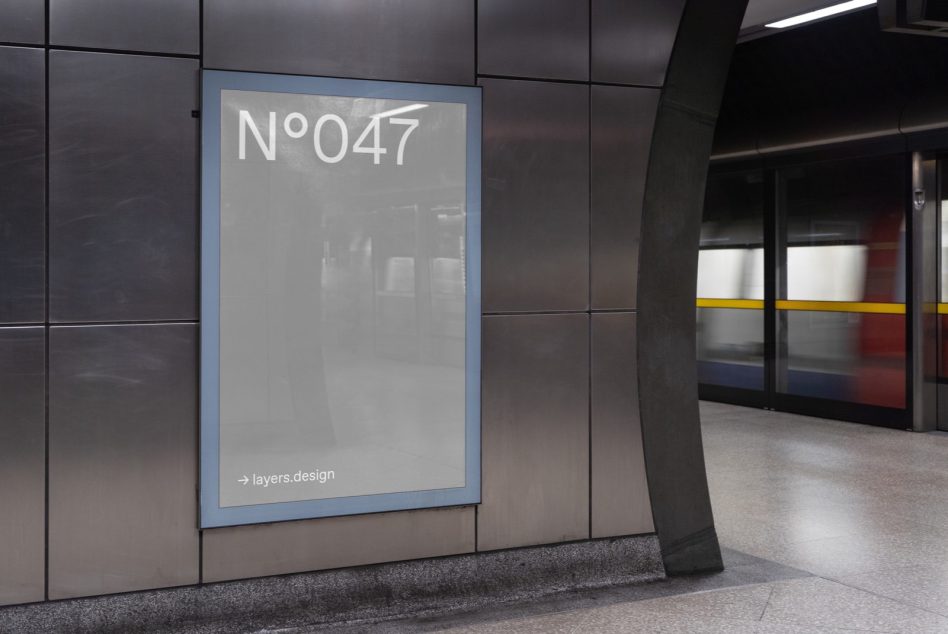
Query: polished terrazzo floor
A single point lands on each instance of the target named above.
(847, 523)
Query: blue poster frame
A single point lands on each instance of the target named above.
(211, 513)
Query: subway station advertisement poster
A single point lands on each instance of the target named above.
(340, 297)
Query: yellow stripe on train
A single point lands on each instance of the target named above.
(879, 308)
(757, 304)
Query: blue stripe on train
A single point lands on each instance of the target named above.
(800, 382)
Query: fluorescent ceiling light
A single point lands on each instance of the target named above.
(820, 13)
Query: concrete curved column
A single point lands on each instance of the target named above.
(671, 222)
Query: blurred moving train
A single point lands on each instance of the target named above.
(840, 291)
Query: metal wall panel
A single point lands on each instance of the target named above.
(620, 502)
(337, 542)
(122, 458)
(632, 41)
(536, 196)
(535, 424)
(159, 26)
(23, 21)
(22, 185)
(122, 187)
(408, 40)
(621, 121)
(547, 39)
(22, 464)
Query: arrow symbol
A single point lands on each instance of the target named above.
(244, 480)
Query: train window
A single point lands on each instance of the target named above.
(826, 273)
(721, 273)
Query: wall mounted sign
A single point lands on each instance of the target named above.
(340, 301)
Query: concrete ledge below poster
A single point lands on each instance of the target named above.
(367, 595)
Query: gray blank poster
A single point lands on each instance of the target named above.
(342, 297)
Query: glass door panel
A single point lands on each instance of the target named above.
(730, 289)
(840, 292)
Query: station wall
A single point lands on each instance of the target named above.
(99, 148)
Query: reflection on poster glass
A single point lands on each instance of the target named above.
(343, 287)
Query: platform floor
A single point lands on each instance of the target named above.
(828, 527)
